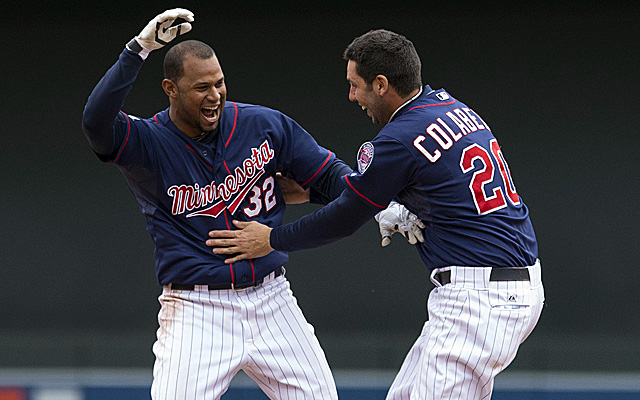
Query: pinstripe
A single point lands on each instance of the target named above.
(199, 389)
(284, 335)
(463, 345)
(488, 343)
(284, 355)
(233, 339)
(170, 350)
(180, 353)
(312, 347)
(436, 346)
(455, 345)
(492, 355)
(202, 336)
(306, 334)
(269, 348)
(259, 379)
(475, 339)
(289, 307)
(484, 337)
(266, 344)
(192, 318)
(402, 383)
(213, 329)
(279, 295)
(430, 368)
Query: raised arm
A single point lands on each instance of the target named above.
(104, 104)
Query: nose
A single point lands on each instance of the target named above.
(215, 95)
(352, 94)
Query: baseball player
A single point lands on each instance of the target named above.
(196, 166)
(440, 159)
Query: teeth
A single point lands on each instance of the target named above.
(363, 108)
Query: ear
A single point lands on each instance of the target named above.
(170, 88)
(381, 85)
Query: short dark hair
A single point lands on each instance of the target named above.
(382, 52)
(173, 60)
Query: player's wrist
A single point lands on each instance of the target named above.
(135, 46)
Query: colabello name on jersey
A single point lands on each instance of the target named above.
(466, 121)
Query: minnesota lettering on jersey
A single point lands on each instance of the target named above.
(466, 120)
(245, 176)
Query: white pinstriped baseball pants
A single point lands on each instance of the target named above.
(206, 337)
(474, 329)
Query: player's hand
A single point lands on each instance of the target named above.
(396, 218)
(164, 28)
(250, 241)
(292, 192)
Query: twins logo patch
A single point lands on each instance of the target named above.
(365, 156)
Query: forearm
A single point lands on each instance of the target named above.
(329, 186)
(106, 100)
(340, 218)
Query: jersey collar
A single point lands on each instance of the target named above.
(427, 88)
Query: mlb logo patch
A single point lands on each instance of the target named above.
(365, 156)
(442, 96)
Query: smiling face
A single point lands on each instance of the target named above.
(197, 98)
(364, 94)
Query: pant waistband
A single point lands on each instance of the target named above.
(480, 276)
(181, 286)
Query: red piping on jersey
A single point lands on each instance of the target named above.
(319, 169)
(155, 118)
(433, 105)
(126, 139)
(235, 120)
(230, 265)
(225, 165)
(253, 270)
(346, 178)
(198, 154)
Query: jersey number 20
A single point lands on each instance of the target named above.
(487, 204)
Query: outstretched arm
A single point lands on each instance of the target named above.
(339, 219)
(325, 189)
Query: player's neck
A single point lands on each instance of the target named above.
(397, 102)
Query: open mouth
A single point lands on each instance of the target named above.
(211, 114)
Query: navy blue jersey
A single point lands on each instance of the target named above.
(441, 161)
(186, 188)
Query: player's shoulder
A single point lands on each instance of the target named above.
(433, 101)
(255, 112)
(154, 121)
(248, 108)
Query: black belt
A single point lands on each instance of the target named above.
(181, 286)
(497, 274)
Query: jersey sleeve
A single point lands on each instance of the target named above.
(300, 157)
(384, 167)
(338, 219)
(329, 185)
(104, 125)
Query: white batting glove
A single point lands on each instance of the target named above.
(396, 218)
(162, 29)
